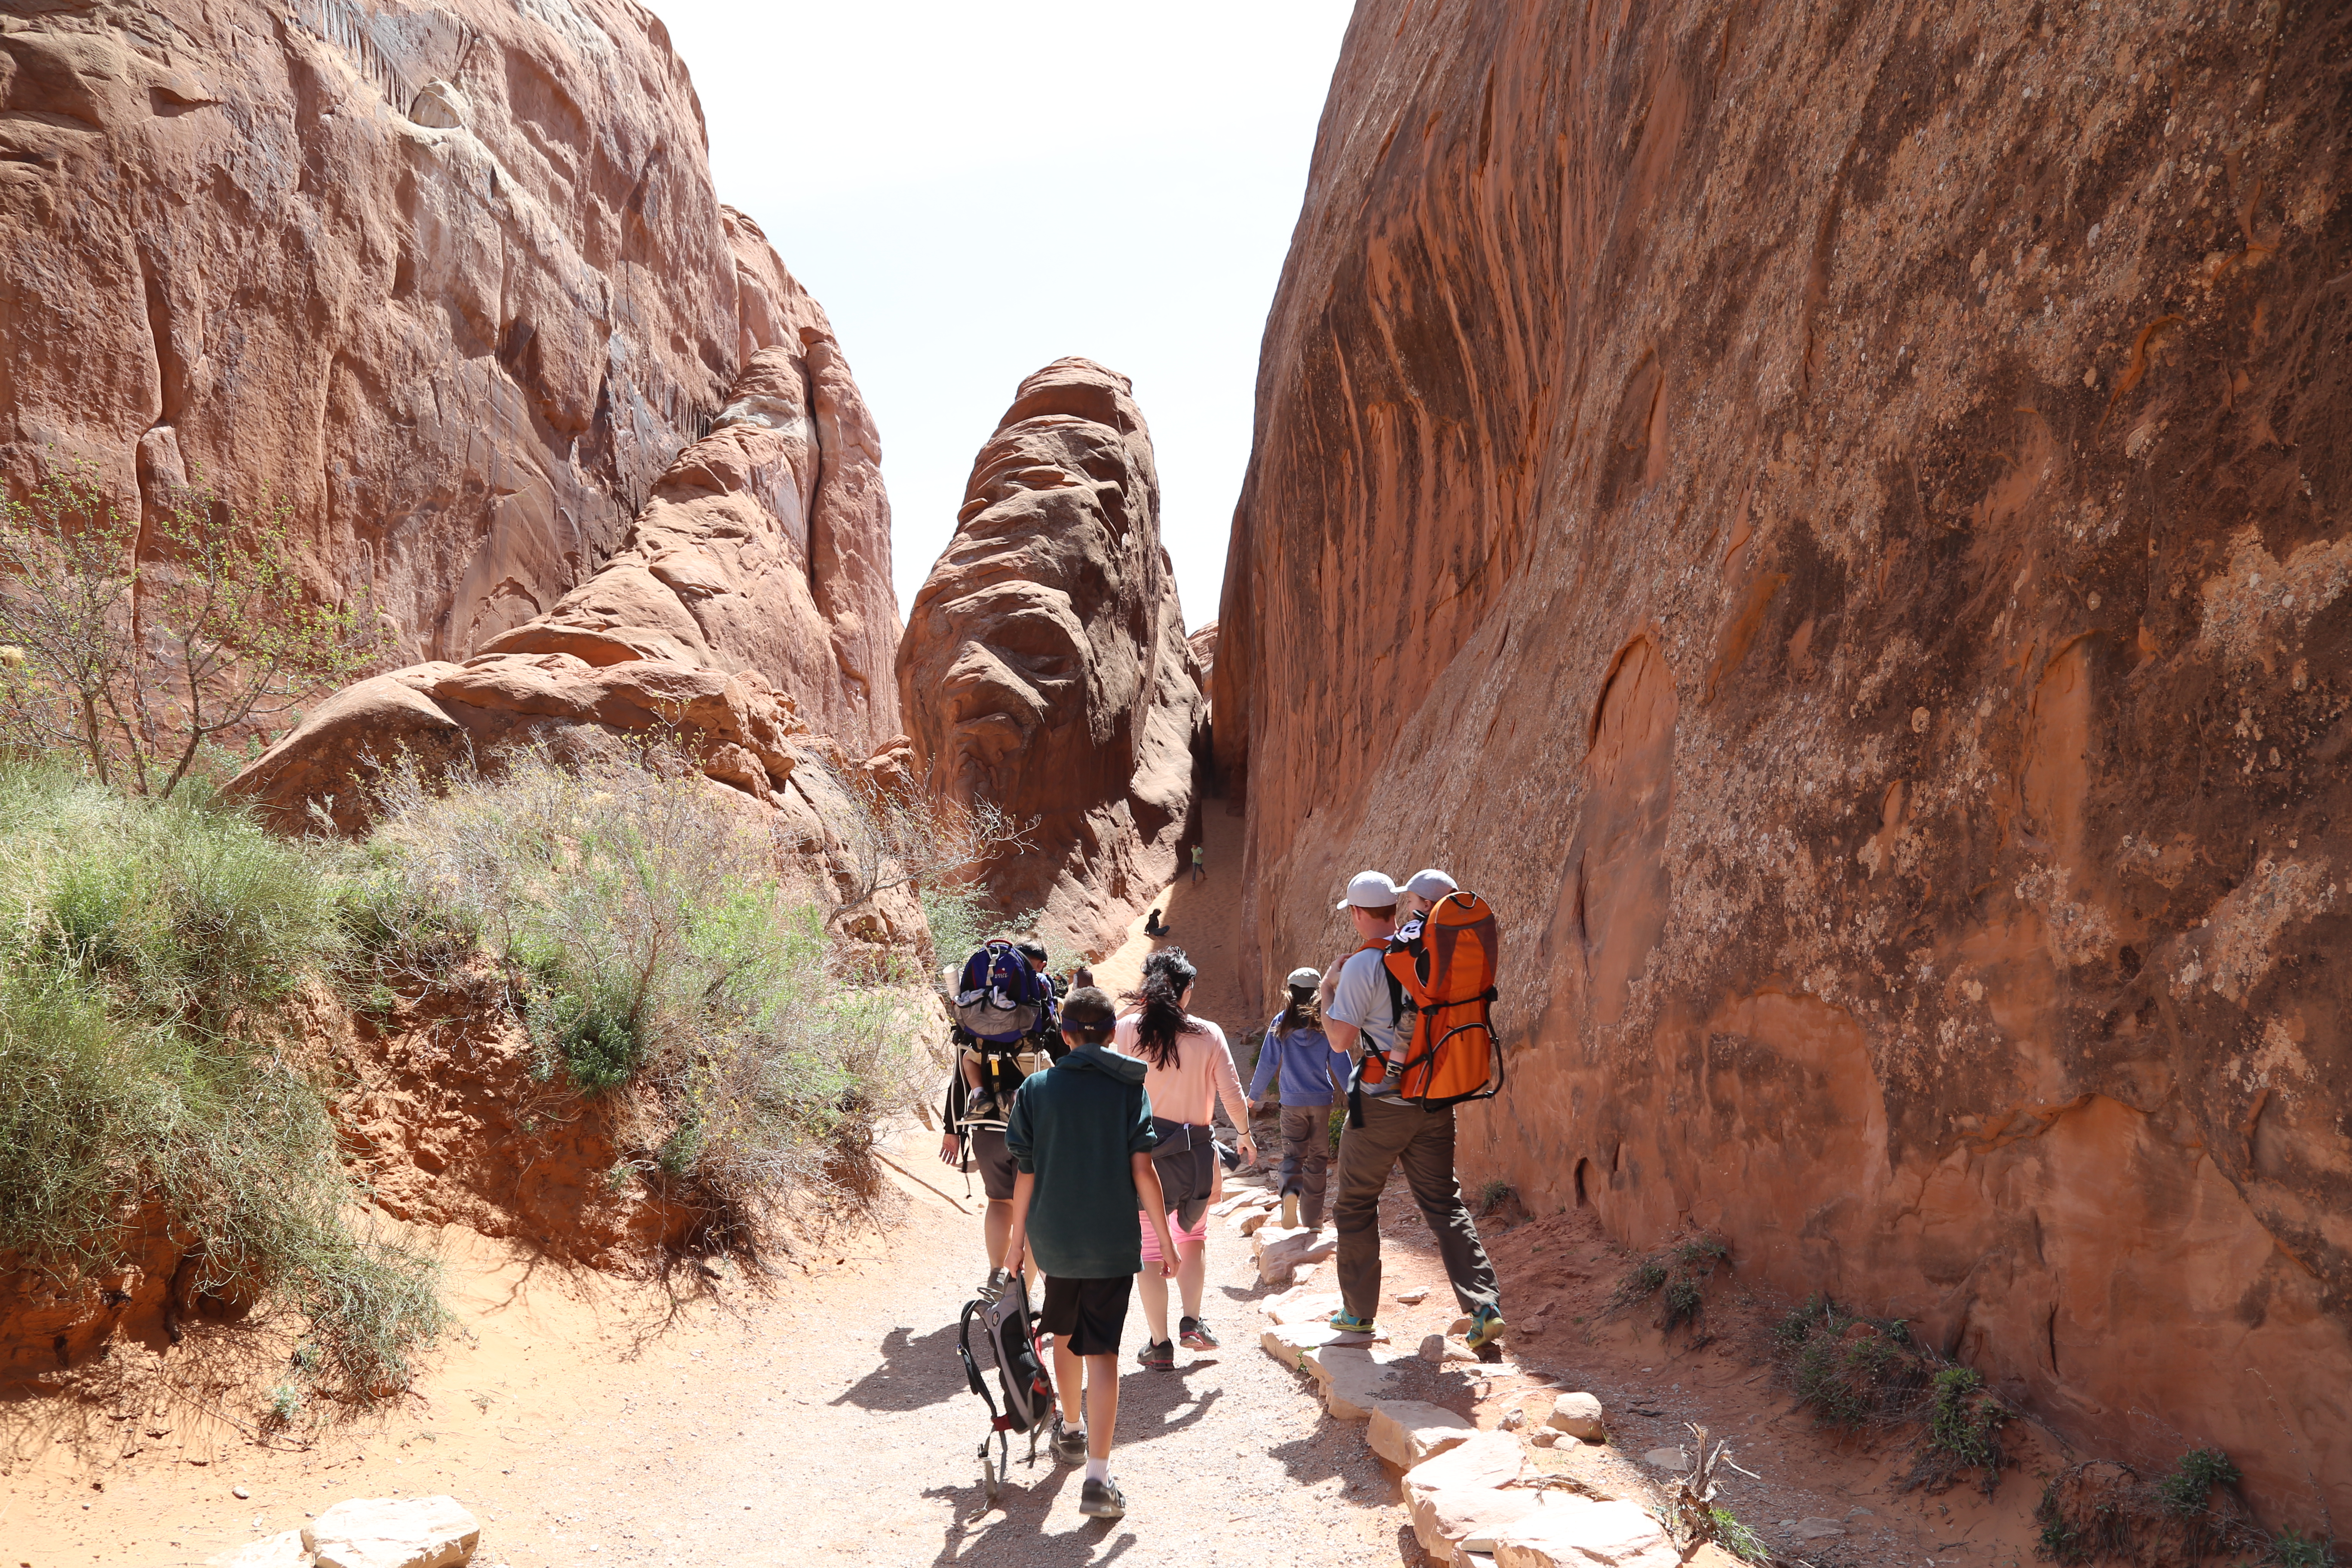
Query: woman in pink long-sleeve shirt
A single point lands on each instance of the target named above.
(1188, 1067)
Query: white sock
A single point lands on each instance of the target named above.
(1097, 1470)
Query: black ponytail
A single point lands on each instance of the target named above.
(1167, 976)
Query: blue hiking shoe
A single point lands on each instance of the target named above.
(1347, 1324)
(1486, 1328)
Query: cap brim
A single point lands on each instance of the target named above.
(1342, 904)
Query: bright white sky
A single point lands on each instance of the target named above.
(975, 190)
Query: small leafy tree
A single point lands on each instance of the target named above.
(896, 835)
(135, 646)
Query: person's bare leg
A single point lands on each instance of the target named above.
(1191, 1275)
(998, 1228)
(1102, 1402)
(1154, 1291)
(1068, 1369)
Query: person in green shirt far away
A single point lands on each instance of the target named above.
(1081, 1140)
(1200, 860)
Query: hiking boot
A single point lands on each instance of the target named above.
(1347, 1324)
(1290, 1211)
(1102, 1499)
(1486, 1328)
(982, 1107)
(1069, 1442)
(1196, 1335)
(1158, 1354)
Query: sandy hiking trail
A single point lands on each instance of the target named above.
(820, 1415)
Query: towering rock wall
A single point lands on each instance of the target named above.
(450, 278)
(1045, 666)
(1835, 519)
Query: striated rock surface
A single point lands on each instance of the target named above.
(644, 648)
(450, 280)
(1835, 519)
(1045, 665)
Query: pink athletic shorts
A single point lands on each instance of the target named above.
(1185, 1240)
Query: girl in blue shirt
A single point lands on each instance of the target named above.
(1311, 1076)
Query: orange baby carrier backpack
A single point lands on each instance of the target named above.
(1442, 971)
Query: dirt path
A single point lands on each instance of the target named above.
(828, 1424)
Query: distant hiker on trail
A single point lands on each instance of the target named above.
(988, 1072)
(1081, 1136)
(1152, 926)
(1363, 1017)
(1189, 1068)
(1310, 1071)
(1200, 854)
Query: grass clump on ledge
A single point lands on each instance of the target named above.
(149, 1075)
(653, 933)
(1684, 1271)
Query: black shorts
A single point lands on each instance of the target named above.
(988, 1154)
(1086, 1316)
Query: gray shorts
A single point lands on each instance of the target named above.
(985, 1150)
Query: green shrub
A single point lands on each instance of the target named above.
(146, 950)
(2295, 1550)
(1965, 1422)
(1683, 1299)
(1736, 1538)
(655, 944)
(2192, 1480)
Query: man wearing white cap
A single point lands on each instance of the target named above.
(1362, 1016)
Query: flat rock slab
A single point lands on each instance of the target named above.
(1598, 1472)
(1308, 1306)
(1667, 1458)
(1454, 1522)
(1354, 1377)
(283, 1550)
(1577, 1533)
(393, 1533)
(1487, 1460)
(1281, 1252)
(1818, 1529)
(1404, 1432)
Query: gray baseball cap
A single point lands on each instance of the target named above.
(1432, 884)
(1304, 979)
(1369, 890)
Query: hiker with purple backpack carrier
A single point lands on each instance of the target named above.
(1005, 1028)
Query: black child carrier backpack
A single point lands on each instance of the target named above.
(1008, 1341)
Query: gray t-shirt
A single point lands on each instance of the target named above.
(1361, 998)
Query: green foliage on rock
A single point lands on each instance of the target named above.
(150, 1074)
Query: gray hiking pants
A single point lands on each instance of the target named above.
(1394, 1130)
(1306, 1158)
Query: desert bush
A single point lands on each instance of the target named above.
(2193, 1478)
(1683, 1272)
(147, 950)
(2102, 1510)
(655, 938)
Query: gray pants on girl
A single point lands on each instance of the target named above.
(1305, 1158)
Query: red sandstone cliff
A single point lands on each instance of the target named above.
(451, 279)
(1045, 666)
(1835, 519)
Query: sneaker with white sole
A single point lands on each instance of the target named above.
(1290, 1211)
(1196, 1336)
(1069, 1442)
(1486, 1328)
(1102, 1499)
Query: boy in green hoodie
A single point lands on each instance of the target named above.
(1080, 1136)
